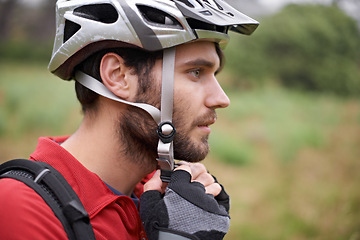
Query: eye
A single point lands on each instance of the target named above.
(195, 73)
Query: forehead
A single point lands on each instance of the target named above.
(197, 50)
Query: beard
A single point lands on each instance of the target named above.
(185, 148)
(137, 131)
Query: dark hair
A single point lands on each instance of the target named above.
(140, 61)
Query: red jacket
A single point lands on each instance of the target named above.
(24, 214)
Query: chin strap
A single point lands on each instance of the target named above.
(166, 130)
(96, 86)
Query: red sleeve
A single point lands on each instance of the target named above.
(25, 215)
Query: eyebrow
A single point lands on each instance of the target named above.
(202, 63)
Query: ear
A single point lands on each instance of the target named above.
(117, 77)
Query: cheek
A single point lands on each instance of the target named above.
(185, 110)
(184, 100)
(187, 92)
(188, 103)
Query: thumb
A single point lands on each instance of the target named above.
(155, 183)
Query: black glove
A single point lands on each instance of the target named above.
(185, 210)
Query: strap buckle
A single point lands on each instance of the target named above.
(166, 132)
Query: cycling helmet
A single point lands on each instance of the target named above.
(87, 26)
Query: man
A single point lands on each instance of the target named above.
(145, 77)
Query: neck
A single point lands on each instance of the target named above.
(97, 145)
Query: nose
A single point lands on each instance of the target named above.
(216, 97)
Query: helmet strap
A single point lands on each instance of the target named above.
(166, 129)
(96, 86)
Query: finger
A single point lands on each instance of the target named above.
(155, 183)
(184, 167)
(213, 189)
(183, 163)
(205, 179)
(197, 169)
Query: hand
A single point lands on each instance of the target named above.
(188, 207)
(198, 173)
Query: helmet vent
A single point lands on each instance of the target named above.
(70, 29)
(231, 14)
(192, 3)
(158, 17)
(104, 13)
(207, 13)
(196, 24)
(212, 2)
(218, 5)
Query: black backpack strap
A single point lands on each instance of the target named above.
(56, 192)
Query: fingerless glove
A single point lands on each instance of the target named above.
(185, 211)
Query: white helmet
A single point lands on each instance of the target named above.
(87, 26)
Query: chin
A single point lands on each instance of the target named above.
(191, 153)
(191, 149)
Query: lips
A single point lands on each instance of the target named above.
(207, 124)
(204, 121)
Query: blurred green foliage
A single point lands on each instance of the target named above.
(310, 47)
(274, 120)
(32, 100)
(25, 51)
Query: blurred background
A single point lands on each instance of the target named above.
(288, 147)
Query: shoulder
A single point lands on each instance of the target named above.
(24, 214)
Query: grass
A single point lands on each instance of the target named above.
(296, 172)
(289, 160)
(33, 102)
(283, 121)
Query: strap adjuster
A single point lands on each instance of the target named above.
(166, 132)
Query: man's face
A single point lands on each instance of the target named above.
(197, 94)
